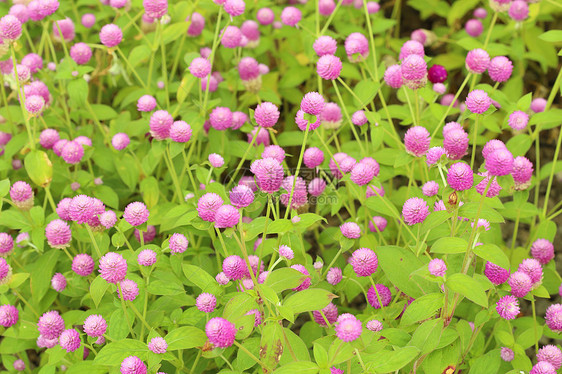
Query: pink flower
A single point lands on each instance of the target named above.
(522, 172)
(220, 332)
(499, 162)
(456, 143)
(19, 365)
(120, 141)
(326, 7)
(88, 20)
(269, 174)
(234, 7)
(330, 312)
(208, 205)
(329, 67)
(160, 123)
(356, 47)
(48, 138)
(382, 293)
(206, 302)
(231, 37)
(58, 234)
(306, 282)
(147, 235)
(50, 325)
(133, 365)
(543, 367)
(10, 28)
(520, 283)
(533, 269)
(377, 223)
(478, 101)
(146, 103)
(477, 61)
(433, 155)
(417, 141)
(362, 174)
(81, 53)
(155, 8)
(129, 290)
(350, 230)
(437, 267)
(551, 354)
(507, 307)
(265, 16)
(248, 68)
(83, 264)
(234, 267)
(200, 67)
(460, 176)
(415, 210)
(72, 152)
(22, 195)
(146, 257)
(500, 69)
(518, 120)
(111, 35)
(374, 325)
(411, 47)
(393, 76)
(113, 267)
(553, 317)
(69, 340)
(348, 328)
(491, 146)
(334, 276)
(290, 16)
(95, 325)
(197, 24)
(136, 213)
(437, 74)
(266, 114)
(180, 132)
(507, 354)
(413, 68)
(519, 10)
(286, 252)
(359, 118)
(58, 282)
(325, 45)
(364, 262)
(227, 216)
(158, 345)
(473, 27)
(430, 188)
(542, 250)
(9, 315)
(538, 105)
(313, 157)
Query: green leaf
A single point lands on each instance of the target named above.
(238, 306)
(553, 36)
(308, 219)
(390, 361)
(271, 345)
(114, 353)
(422, 308)
(280, 226)
(488, 363)
(284, 278)
(320, 355)
(4, 187)
(42, 273)
(103, 112)
(18, 279)
(150, 191)
(185, 337)
(469, 288)
(201, 279)
(459, 9)
(525, 102)
(107, 195)
(300, 367)
(380, 204)
(470, 210)
(77, 93)
(365, 91)
(98, 287)
(434, 219)
(118, 328)
(426, 337)
(39, 167)
(492, 253)
(309, 300)
(449, 245)
(160, 287)
(127, 170)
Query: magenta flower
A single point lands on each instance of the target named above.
(58, 234)
(499, 162)
(477, 61)
(220, 332)
(158, 345)
(227, 216)
(50, 325)
(69, 340)
(542, 250)
(551, 354)
(133, 365)
(364, 262)
(553, 317)
(455, 143)
(437, 267)
(155, 8)
(507, 307)
(111, 35)
(325, 45)
(330, 312)
(478, 101)
(290, 16)
(206, 302)
(356, 47)
(58, 282)
(350, 230)
(415, 210)
(520, 283)
(500, 69)
(136, 213)
(10, 28)
(382, 292)
(417, 141)
(348, 328)
(460, 176)
(129, 290)
(95, 325)
(234, 267)
(208, 205)
(9, 315)
(393, 76)
(160, 123)
(266, 114)
(83, 264)
(113, 267)
(334, 276)
(306, 282)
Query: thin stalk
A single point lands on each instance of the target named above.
(125, 310)
(474, 142)
(451, 105)
(492, 23)
(250, 354)
(327, 24)
(348, 117)
(298, 169)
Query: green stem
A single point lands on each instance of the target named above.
(327, 24)
(250, 354)
(438, 127)
(125, 310)
(93, 240)
(298, 169)
(474, 142)
(348, 117)
(492, 23)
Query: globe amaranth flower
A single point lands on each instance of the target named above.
(543, 367)
(69, 340)
(136, 213)
(234, 267)
(50, 324)
(417, 141)
(180, 132)
(216, 160)
(58, 282)
(113, 267)
(251, 30)
(362, 174)
(231, 37)
(477, 61)
(178, 243)
(377, 223)
(81, 53)
(480, 13)
(478, 101)
(474, 27)
(326, 7)
(248, 69)
(430, 188)
(518, 10)
(266, 114)
(518, 120)
(542, 250)
(196, 25)
(200, 67)
(160, 123)
(220, 332)
(348, 328)
(553, 317)
(329, 67)
(437, 74)
(313, 157)
(227, 216)
(120, 141)
(95, 325)
(538, 105)
(146, 103)
(111, 35)
(356, 47)
(372, 164)
(158, 345)
(325, 45)
(330, 312)
(155, 8)
(9, 315)
(133, 365)
(312, 103)
(491, 146)
(128, 290)
(146, 257)
(437, 267)
(393, 76)
(306, 282)
(414, 71)
(254, 262)
(520, 283)
(88, 20)
(522, 172)
(411, 47)
(269, 174)
(439, 88)
(507, 354)
(533, 269)
(500, 69)
(260, 134)
(147, 235)
(290, 16)
(359, 118)
(257, 316)
(364, 262)
(19, 365)
(208, 205)
(415, 210)
(72, 152)
(433, 155)
(48, 138)
(58, 234)
(507, 307)
(551, 354)
(499, 162)
(374, 325)
(274, 151)
(234, 7)
(206, 302)
(22, 195)
(10, 28)
(455, 143)
(334, 276)
(83, 264)
(34, 105)
(286, 252)
(350, 230)
(241, 196)
(460, 176)
(382, 293)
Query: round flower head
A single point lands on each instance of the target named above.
(216, 160)
(356, 47)
(480, 13)
(265, 16)
(542, 250)
(334, 276)
(72, 152)
(411, 47)
(372, 7)
(491, 146)
(200, 67)
(290, 16)
(133, 364)
(220, 332)
(261, 135)
(477, 61)
(10, 28)
(147, 235)
(306, 282)
(329, 67)
(507, 354)
(520, 284)
(500, 69)
(348, 328)
(371, 163)
(382, 292)
(551, 354)
(50, 325)
(9, 315)
(415, 210)
(326, 7)
(473, 27)
(238, 120)
(81, 53)
(377, 223)
(254, 261)
(303, 123)
(364, 262)
(113, 267)
(180, 132)
(222, 279)
(257, 316)
(456, 143)
(286, 252)
(155, 8)
(269, 174)
(478, 101)
(393, 76)
(248, 68)
(197, 24)
(48, 138)
(507, 307)
(58, 234)
(417, 140)
(266, 114)
(313, 157)
(430, 188)
(543, 367)
(325, 45)
(227, 216)
(522, 172)
(158, 345)
(533, 269)
(439, 88)
(251, 30)
(274, 151)
(519, 10)
(359, 118)
(83, 264)
(136, 213)
(120, 141)
(58, 282)
(129, 290)
(206, 302)
(414, 71)
(34, 105)
(178, 243)
(495, 274)
(362, 174)
(146, 103)
(499, 162)
(374, 325)
(160, 123)
(19, 365)
(330, 312)
(518, 120)
(111, 35)
(22, 195)
(234, 267)
(241, 196)
(20, 12)
(108, 219)
(146, 257)
(437, 267)
(234, 7)
(433, 155)
(69, 340)
(460, 176)
(316, 187)
(350, 230)
(538, 105)
(208, 205)
(88, 20)
(221, 118)
(231, 37)
(553, 317)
